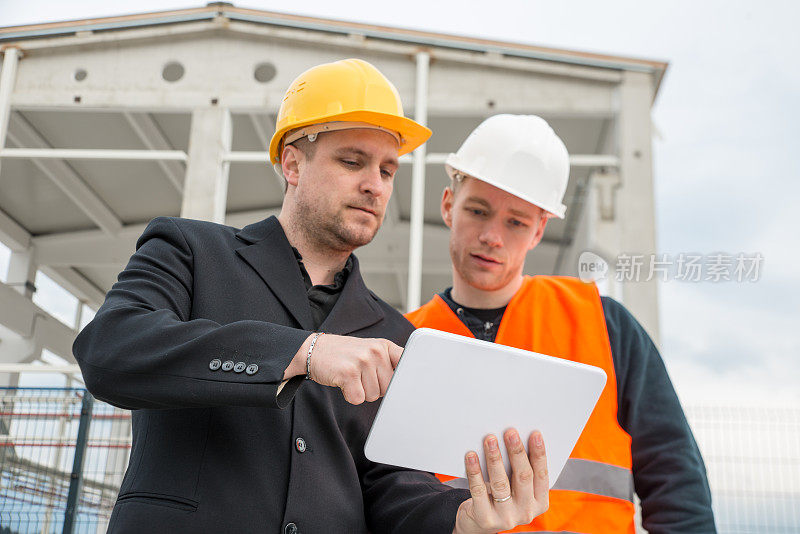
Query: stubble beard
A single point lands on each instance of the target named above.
(331, 231)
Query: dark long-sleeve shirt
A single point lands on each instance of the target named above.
(668, 471)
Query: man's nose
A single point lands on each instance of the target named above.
(490, 235)
(372, 182)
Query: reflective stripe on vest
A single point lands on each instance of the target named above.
(596, 477)
(563, 317)
(585, 476)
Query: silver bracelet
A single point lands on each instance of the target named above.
(308, 357)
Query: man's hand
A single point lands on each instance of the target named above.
(502, 505)
(361, 368)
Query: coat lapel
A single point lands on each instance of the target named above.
(356, 308)
(271, 255)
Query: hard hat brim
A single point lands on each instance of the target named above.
(453, 166)
(412, 134)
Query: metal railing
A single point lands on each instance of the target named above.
(63, 455)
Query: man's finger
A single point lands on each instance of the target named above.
(384, 377)
(394, 353)
(498, 479)
(481, 506)
(541, 479)
(521, 471)
(353, 392)
(371, 384)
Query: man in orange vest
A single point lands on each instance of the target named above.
(507, 179)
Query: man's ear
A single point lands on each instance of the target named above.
(537, 236)
(290, 164)
(448, 199)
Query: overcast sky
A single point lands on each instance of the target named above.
(726, 167)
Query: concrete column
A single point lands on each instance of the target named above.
(8, 76)
(635, 198)
(21, 277)
(205, 190)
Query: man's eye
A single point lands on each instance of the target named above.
(350, 162)
(515, 222)
(475, 211)
(386, 173)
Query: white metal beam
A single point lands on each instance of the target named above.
(36, 368)
(93, 154)
(173, 156)
(65, 177)
(575, 160)
(8, 77)
(418, 187)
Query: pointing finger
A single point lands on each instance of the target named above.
(395, 352)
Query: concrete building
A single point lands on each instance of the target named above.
(107, 123)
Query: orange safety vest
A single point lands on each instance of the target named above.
(563, 317)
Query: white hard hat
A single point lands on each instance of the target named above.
(519, 154)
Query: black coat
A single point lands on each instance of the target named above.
(217, 450)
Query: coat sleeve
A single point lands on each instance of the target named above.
(668, 471)
(142, 351)
(403, 501)
(399, 500)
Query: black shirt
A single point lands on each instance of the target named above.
(322, 298)
(668, 472)
(483, 323)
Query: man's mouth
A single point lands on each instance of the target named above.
(368, 210)
(486, 259)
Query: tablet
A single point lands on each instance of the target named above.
(449, 392)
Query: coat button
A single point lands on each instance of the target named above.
(227, 366)
(251, 370)
(239, 367)
(290, 528)
(300, 444)
(214, 364)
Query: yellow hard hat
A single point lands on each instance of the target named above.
(347, 91)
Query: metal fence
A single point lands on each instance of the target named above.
(752, 456)
(63, 455)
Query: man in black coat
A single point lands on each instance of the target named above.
(211, 336)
